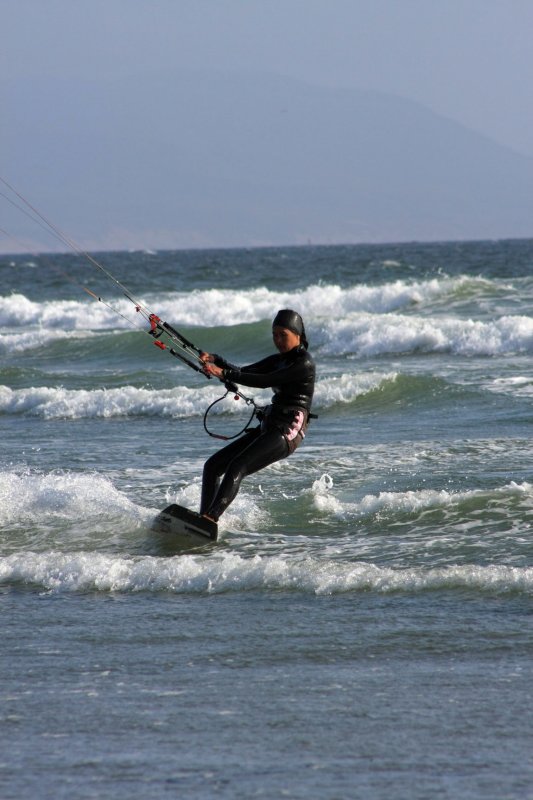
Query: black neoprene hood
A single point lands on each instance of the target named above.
(286, 318)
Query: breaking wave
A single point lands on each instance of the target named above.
(61, 403)
(230, 572)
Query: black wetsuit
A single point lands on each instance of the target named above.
(292, 376)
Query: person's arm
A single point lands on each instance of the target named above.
(218, 366)
(296, 371)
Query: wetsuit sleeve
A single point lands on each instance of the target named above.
(262, 379)
(220, 361)
(265, 365)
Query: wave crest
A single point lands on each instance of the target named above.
(234, 573)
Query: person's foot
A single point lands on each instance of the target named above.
(211, 519)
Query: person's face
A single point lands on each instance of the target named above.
(284, 339)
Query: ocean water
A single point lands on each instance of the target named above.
(363, 628)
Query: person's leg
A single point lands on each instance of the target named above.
(216, 465)
(264, 450)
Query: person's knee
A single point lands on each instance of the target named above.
(213, 466)
(236, 472)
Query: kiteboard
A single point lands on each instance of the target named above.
(185, 528)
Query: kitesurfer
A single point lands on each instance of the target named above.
(291, 374)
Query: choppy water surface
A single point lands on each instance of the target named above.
(363, 628)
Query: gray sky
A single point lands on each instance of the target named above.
(155, 123)
(471, 60)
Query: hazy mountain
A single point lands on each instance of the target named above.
(186, 159)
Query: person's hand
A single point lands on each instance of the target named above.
(206, 357)
(211, 369)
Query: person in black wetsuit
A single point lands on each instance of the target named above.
(291, 374)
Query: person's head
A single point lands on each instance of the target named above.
(288, 330)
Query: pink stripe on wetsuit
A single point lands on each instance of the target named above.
(296, 427)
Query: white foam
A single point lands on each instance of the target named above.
(230, 572)
(371, 335)
(214, 307)
(19, 342)
(38, 497)
(393, 503)
(60, 403)
(180, 402)
(328, 300)
(518, 386)
(339, 320)
(31, 496)
(347, 387)
(323, 498)
(16, 311)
